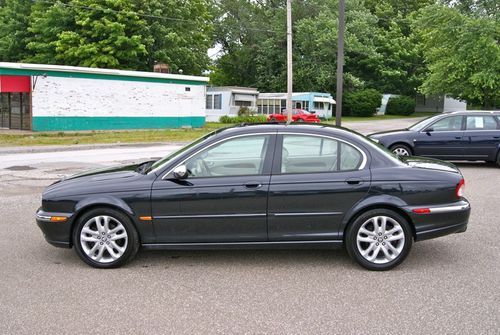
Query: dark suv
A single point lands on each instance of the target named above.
(471, 135)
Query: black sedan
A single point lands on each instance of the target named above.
(471, 135)
(260, 186)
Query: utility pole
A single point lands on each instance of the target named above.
(340, 63)
(289, 60)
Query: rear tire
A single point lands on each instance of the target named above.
(379, 239)
(105, 238)
(401, 150)
(498, 159)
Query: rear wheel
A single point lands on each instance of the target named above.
(105, 238)
(379, 239)
(498, 159)
(401, 150)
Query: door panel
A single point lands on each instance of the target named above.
(216, 209)
(311, 206)
(483, 135)
(315, 180)
(443, 139)
(224, 198)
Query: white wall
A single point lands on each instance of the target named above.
(55, 96)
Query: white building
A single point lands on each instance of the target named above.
(227, 100)
(58, 98)
(320, 103)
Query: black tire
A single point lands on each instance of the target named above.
(132, 243)
(401, 147)
(352, 244)
(498, 159)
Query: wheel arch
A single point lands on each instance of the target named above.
(359, 210)
(83, 207)
(407, 144)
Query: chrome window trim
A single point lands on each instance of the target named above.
(208, 216)
(361, 166)
(211, 145)
(307, 214)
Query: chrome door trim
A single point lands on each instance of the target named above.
(209, 216)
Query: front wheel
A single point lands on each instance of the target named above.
(379, 239)
(105, 238)
(401, 150)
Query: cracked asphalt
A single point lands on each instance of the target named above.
(448, 285)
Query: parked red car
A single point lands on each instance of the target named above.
(298, 115)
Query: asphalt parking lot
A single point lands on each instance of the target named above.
(446, 286)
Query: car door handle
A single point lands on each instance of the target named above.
(253, 185)
(354, 181)
(458, 137)
(496, 136)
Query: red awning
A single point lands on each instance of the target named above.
(15, 84)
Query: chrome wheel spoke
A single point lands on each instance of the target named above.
(99, 237)
(384, 243)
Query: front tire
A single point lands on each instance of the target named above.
(105, 238)
(401, 150)
(379, 239)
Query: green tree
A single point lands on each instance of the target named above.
(462, 53)
(102, 33)
(14, 20)
(178, 33)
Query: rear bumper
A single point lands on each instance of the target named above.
(440, 220)
(56, 233)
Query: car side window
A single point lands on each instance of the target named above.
(451, 123)
(234, 157)
(482, 122)
(312, 154)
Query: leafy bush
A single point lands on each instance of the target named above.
(244, 111)
(361, 103)
(401, 105)
(243, 119)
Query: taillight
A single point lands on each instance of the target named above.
(459, 191)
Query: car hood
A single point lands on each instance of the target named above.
(110, 178)
(430, 164)
(390, 132)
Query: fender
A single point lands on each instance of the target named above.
(103, 200)
(370, 201)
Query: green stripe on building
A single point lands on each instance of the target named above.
(69, 123)
(67, 74)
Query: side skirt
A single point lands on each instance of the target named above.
(337, 244)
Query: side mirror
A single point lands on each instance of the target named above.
(429, 130)
(180, 172)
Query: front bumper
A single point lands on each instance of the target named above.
(440, 220)
(56, 233)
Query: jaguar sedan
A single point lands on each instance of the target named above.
(468, 135)
(260, 186)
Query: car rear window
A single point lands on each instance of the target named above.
(482, 122)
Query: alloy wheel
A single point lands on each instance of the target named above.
(104, 239)
(401, 151)
(380, 239)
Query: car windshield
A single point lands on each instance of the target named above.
(162, 161)
(424, 123)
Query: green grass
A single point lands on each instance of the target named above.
(138, 136)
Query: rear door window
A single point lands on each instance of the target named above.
(481, 122)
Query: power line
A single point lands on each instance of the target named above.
(168, 18)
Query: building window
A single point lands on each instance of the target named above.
(209, 101)
(217, 101)
(241, 103)
(318, 105)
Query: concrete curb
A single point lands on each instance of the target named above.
(58, 148)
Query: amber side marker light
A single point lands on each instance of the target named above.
(145, 218)
(58, 219)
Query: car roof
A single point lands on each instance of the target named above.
(470, 112)
(248, 128)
